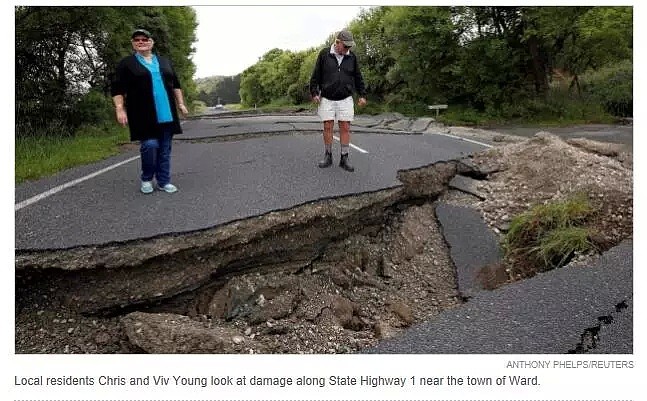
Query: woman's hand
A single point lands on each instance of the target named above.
(122, 117)
(183, 110)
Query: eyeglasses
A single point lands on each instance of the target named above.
(345, 47)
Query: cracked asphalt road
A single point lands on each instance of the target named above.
(221, 181)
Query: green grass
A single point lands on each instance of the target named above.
(470, 117)
(540, 219)
(560, 107)
(235, 107)
(556, 246)
(38, 157)
(546, 236)
(198, 107)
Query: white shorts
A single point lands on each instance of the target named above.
(340, 110)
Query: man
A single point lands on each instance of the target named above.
(335, 77)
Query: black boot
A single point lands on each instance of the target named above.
(327, 161)
(343, 163)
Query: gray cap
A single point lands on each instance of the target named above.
(346, 37)
(141, 32)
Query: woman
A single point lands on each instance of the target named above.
(147, 94)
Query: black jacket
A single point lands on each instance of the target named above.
(133, 81)
(336, 82)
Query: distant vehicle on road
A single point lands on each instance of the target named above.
(219, 107)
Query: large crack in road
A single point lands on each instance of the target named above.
(333, 275)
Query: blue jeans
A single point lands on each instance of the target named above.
(156, 158)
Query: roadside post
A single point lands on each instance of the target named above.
(437, 107)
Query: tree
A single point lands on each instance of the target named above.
(251, 92)
(64, 54)
(425, 47)
(496, 59)
(373, 50)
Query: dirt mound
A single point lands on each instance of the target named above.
(545, 169)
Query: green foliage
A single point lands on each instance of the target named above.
(298, 93)
(235, 107)
(374, 108)
(558, 245)
(54, 127)
(488, 63)
(219, 90)
(461, 115)
(65, 57)
(425, 46)
(208, 84)
(373, 51)
(250, 87)
(611, 87)
(559, 106)
(279, 74)
(198, 106)
(40, 156)
(309, 59)
(47, 40)
(557, 29)
(93, 108)
(548, 235)
(607, 34)
(494, 80)
(396, 103)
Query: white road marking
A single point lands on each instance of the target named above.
(465, 139)
(59, 188)
(54, 190)
(353, 146)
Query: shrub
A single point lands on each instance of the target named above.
(93, 108)
(401, 103)
(612, 87)
(548, 236)
(298, 93)
(459, 115)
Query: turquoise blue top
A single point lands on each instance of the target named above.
(162, 105)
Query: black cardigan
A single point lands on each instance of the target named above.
(133, 81)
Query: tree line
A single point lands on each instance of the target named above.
(218, 90)
(65, 60)
(506, 61)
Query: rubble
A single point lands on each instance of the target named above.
(332, 276)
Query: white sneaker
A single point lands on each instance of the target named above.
(147, 187)
(168, 188)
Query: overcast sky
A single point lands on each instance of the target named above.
(232, 38)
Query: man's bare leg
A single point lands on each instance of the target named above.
(327, 136)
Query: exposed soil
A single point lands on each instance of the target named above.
(380, 271)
